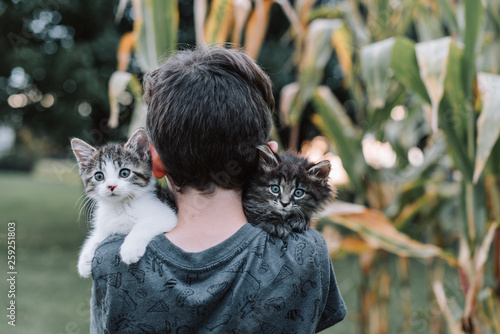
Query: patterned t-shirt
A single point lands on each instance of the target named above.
(249, 283)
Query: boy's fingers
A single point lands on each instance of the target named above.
(273, 145)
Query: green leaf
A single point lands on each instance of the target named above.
(318, 51)
(156, 25)
(379, 61)
(432, 59)
(455, 143)
(449, 16)
(405, 66)
(473, 20)
(375, 63)
(337, 126)
(488, 123)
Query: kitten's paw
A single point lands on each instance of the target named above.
(85, 263)
(277, 229)
(131, 253)
(84, 268)
(299, 225)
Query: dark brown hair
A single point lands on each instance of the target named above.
(208, 110)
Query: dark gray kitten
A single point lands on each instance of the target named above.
(285, 192)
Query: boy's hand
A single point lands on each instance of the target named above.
(273, 145)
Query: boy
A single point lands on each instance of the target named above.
(214, 273)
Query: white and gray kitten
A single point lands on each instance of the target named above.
(118, 178)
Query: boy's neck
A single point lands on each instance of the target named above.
(206, 220)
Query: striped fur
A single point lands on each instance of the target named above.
(286, 192)
(118, 179)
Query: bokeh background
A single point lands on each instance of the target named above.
(402, 96)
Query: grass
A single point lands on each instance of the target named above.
(50, 296)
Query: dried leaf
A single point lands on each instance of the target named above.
(117, 84)
(127, 43)
(288, 94)
(378, 232)
(200, 13)
(242, 9)
(219, 21)
(257, 27)
(432, 59)
(438, 289)
(488, 123)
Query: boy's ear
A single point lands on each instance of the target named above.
(320, 171)
(268, 160)
(138, 142)
(83, 152)
(158, 169)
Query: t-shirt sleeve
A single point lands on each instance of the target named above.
(334, 309)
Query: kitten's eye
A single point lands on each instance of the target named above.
(124, 173)
(275, 189)
(99, 176)
(299, 193)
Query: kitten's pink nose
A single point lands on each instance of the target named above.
(285, 204)
(111, 188)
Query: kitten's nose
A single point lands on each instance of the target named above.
(111, 188)
(284, 204)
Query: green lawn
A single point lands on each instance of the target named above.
(50, 296)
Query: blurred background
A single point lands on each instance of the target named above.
(402, 96)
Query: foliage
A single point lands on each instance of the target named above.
(410, 68)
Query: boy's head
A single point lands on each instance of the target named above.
(208, 109)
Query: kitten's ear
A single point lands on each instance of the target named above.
(83, 152)
(320, 171)
(138, 142)
(268, 160)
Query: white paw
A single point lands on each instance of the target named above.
(84, 267)
(131, 253)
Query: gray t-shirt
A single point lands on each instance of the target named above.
(249, 283)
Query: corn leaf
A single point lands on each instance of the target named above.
(317, 52)
(488, 123)
(257, 27)
(432, 59)
(155, 26)
(218, 22)
(375, 64)
(288, 94)
(384, 61)
(200, 13)
(473, 22)
(127, 43)
(438, 289)
(117, 84)
(242, 9)
(337, 126)
(405, 66)
(378, 232)
(449, 16)
(343, 45)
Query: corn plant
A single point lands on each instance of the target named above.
(418, 137)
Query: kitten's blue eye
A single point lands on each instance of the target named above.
(275, 189)
(99, 176)
(124, 172)
(299, 193)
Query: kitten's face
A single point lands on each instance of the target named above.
(287, 195)
(290, 184)
(115, 172)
